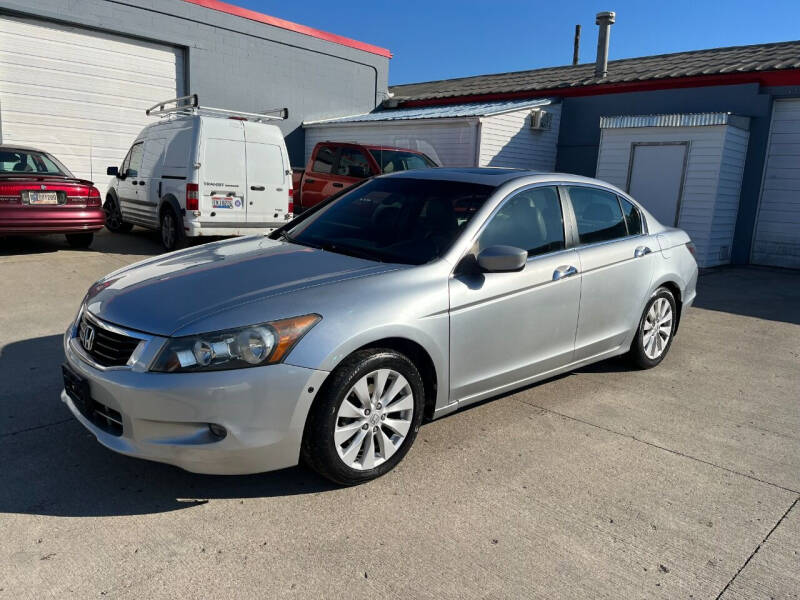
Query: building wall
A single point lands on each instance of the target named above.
(451, 143)
(711, 181)
(507, 140)
(236, 63)
(579, 135)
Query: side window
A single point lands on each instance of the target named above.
(598, 215)
(530, 220)
(633, 218)
(353, 163)
(323, 162)
(125, 162)
(135, 160)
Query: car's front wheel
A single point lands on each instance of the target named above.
(656, 330)
(114, 222)
(365, 418)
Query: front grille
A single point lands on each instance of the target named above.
(106, 347)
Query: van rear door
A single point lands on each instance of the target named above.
(222, 174)
(268, 176)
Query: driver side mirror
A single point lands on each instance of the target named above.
(502, 259)
(112, 171)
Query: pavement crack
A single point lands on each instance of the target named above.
(35, 427)
(651, 444)
(749, 558)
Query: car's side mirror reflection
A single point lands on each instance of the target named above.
(502, 259)
(112, 171)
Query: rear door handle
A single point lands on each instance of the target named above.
(564, 271)
(141, 183)
(641, 251)
(337, 184)
(257, 188)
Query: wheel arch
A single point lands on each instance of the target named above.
(168, 200)
(675, 289)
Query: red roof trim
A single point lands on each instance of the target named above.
(769, 78)
(289, 25)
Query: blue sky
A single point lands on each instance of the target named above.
(443, 39)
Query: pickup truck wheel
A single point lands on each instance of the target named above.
(172, 235)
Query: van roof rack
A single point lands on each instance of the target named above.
(189, 105)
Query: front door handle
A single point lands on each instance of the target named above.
(257, 188)
(564, 271)
(337, 184)
(641, 251)
(311, 180)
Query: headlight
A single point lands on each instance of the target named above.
(250, 346)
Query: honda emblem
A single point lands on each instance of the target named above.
(87, 337)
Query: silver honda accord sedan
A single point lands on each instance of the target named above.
(402, 299)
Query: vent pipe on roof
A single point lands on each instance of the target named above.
(576, 45)
(605, 20)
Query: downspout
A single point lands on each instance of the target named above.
(478, 129)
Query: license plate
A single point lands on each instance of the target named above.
(42, 198)
(221, 202)
(77, 389)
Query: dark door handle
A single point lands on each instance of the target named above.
(257, 188)
(337, 184)
(134, 182)
(141, 183)
(311, 180)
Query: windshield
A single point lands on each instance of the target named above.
(407, 221)
(400, 160)
(17, 162)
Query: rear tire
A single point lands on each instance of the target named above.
(352, 433)
(172, 234)
(114, 222)
(80, 240)
(656, 330)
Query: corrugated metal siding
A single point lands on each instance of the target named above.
(704, 174)
(729, 190)
(472, 109)
(451, 144)
(508, 141)
(674, 120)
(777, 235)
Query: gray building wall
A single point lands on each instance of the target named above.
(579, 137)
(236, 63)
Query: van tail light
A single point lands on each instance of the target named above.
(11, 193)
(691, 247)
(291, 200)
(94, 197)
(192, 196)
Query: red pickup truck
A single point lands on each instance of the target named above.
(334, 166)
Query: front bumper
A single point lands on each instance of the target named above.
(165, 416)
(44, 220)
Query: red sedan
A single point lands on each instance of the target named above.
(38, 195)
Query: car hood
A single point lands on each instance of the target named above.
(168, 293)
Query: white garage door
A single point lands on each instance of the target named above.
(80, 94)
(777, 236)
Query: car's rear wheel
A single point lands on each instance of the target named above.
(114, 222)
(656, 330)
(80, 240)
(172, 236)
(365, 418)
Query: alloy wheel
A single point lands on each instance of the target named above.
(373, 419)
(167, 231)
(657, 328)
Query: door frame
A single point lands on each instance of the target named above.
(631, 156)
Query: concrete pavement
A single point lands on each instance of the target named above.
(678, 482)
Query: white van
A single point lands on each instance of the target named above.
(202, 172)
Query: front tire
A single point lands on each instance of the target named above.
(656, 330)
(114, 222)
(80, 240)
(365, 418)
(172, 235)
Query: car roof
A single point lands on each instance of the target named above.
(13, 147)
(494, 176)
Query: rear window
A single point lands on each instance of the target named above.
(19, 162)
(401, 160)
(323, 162)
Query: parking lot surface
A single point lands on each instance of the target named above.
(678, 482)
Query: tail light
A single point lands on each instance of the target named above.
(192, 196)
(11, 193)
(291, 200)
(94, 197)
(691, 247)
